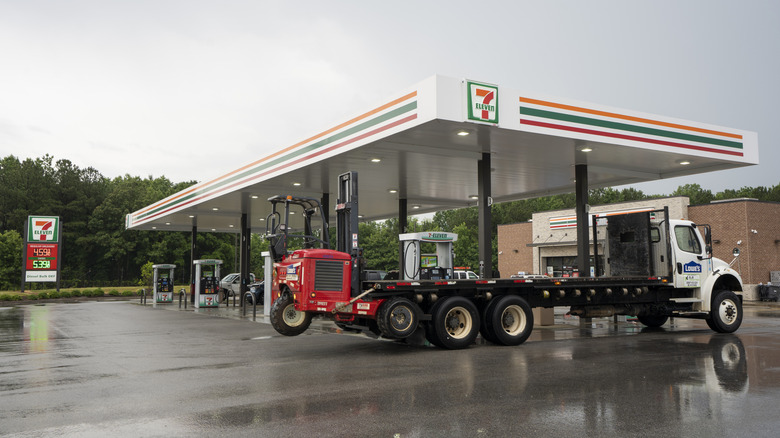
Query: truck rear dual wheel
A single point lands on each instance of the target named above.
(454, 323)
(726, 312)
(286, 319)
(508, 321)
(398, 318)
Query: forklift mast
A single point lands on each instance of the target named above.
(347, 223)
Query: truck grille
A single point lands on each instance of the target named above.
(328, 274)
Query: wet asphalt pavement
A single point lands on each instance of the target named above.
(122, 369)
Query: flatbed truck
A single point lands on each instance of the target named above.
(658, 268)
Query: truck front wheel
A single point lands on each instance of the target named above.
(286, 319)
(511, 320)
(726, 312)
(455, 323)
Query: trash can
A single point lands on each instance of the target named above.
(769, 292)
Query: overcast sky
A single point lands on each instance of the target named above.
(193, 89)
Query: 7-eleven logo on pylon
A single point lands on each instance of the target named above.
(42, 229)
(483, 102)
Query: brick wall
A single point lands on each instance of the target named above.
(732, 222)
(513, 253)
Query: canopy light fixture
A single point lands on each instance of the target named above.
(376, 160)
(463, 133)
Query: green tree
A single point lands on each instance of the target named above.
(695, 193)
(10, 259)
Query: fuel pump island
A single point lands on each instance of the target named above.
(163, 283)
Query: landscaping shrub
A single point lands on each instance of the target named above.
(43, 295)
(98, 292)
(114, 293)
(76, 293)
(128, 293)
(54, 294)
(65, 294)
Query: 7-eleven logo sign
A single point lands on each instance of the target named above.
(42, 229)
(483, 102)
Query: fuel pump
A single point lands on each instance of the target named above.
(207, 283)
(416, 266)
(163, 283)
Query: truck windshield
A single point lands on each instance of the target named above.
(687, 240)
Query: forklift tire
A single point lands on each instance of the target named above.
(455, 323)
(486, 329)
(511, 320)
(286, 320)
(398, 318)
(726, 312)
(653, 321)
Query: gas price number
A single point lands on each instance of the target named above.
(42, 256)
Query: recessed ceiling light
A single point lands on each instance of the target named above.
(360, 216)
(192, 216)
(586, 149)
(215, 208)
(154, 228)
(231, 226)
(376, 160)
(473, 197)
(167, 223)
(684, 163)
(393, 191)
(415, 207)
(213, 229)
(463, 133)
(292, 212)
(262, 218)
(255, 196)
(296, 184)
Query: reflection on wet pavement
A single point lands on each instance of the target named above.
(150, 372)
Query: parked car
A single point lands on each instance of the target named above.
(231, 283)
(257, 289)
(373, 274)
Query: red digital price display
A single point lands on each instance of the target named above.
(41, 256)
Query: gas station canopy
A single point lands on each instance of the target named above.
(424, 145)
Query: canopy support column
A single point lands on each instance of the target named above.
(193, 250)
(403, 223)
(582, 208)
(244, 259)
(485, 218)
(325, 206)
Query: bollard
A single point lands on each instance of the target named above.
(182, 297)
(143, 296)
(254, 306)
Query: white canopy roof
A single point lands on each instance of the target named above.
(423, 145)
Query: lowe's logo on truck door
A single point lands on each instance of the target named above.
(692, 267)
(483, 102)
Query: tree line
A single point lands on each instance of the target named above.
(99, 251)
